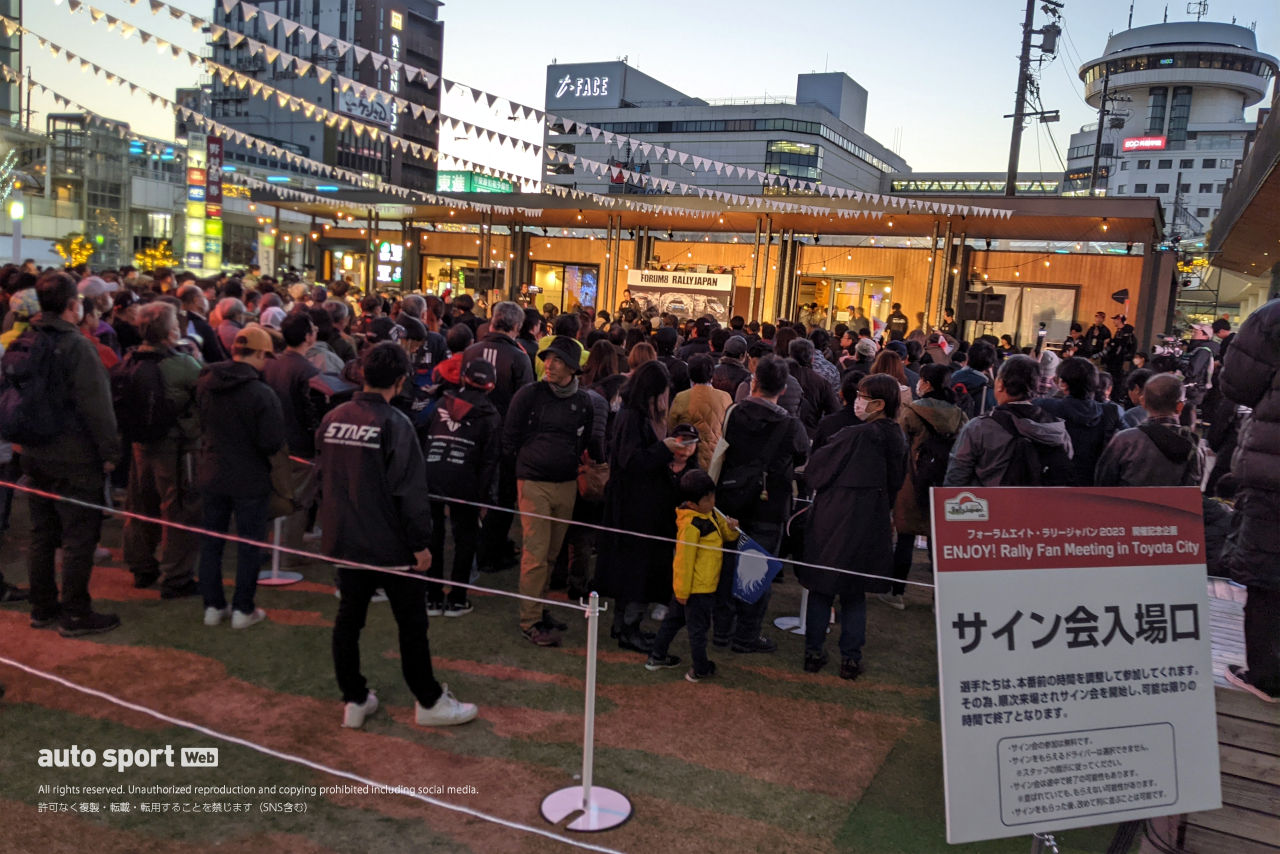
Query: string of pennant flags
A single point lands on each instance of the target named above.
(694, 163)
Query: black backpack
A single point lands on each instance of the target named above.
(1033, 463)
(929, 463)
(34, 405)
(144, 411)
(745, 485)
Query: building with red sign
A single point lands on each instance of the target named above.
(1175, 129)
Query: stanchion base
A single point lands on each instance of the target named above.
(607, 809)
(280, 579)
(789, 624)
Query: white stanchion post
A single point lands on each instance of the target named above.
(795, 625)
(277, 578)
(600, 808)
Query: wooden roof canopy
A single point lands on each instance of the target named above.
(1049, 219)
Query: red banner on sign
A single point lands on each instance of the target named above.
(1144, 143)
(1019, 527)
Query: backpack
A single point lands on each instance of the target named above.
(144, 412)
(929, 463)
(972, 405)
(1032, 463)
(34, 404)
(742, 486)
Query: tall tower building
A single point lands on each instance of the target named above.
(1177, 93)
(407, 31)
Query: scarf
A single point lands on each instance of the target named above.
(565, 391)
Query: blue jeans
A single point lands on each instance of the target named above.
(853, 624)
(251, 523)
(696, 615)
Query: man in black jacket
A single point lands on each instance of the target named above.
(1251, 377)
(730, 372)
(375, 511)
(764, 445)
(72, 464)
(513, 370)
(289, 375)
(664, 340)
(462, 444)
(196, 307)
(243, 428)
(817, 399)
(548, 427)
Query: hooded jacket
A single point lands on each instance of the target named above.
(91, 439)
(747, 430)
(983, 449)
(946, 419)
(980, 388)
(462, 445)
(1158, 453)
(511, 363)
(699, 536)
(373, 480)
(243, 426)
(1090, 424)
(817, 400)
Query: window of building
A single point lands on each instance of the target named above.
(1208, 163)
(568, 287)
(1121, 190)
(1206, 188)
(1179, 113)
(1144, 164)
(1164, 164)
(1140, 188)
(1184, 188)
(793, 159)
(1124, 165)
(1187, 163)
(1202, 212)
(1220, 189)
(1157, 99)
(1161, 189)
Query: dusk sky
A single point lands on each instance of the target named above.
(940, 75)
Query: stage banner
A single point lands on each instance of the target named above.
(681, 293)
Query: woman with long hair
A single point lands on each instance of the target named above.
(637, 570)
(640, 354)
(889, 362)
(934, 414)
(530, 333)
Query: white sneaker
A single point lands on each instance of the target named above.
(446, 712)
(354, 714)
(893, 600)
(659, 613)
(312, 536)
(215, 616)
(241, 620)
(379, 595)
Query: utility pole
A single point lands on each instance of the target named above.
(1097, 141)
(1049, 45)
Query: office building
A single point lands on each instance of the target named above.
(817, 136)
(407, 31)
(1176, 93)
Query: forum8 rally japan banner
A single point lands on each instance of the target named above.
(1074, 658)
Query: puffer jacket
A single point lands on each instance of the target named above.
(703, 407)
(697, 564)
(983, 449)
(946, 419)
(1251, 377)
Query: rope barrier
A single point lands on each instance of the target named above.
(348, 564)
(657, 537)
(299, 760)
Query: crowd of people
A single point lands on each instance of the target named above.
(386, 424)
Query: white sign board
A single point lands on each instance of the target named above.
(1074, 658)
(682, 293)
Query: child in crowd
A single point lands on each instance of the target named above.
(702, 531)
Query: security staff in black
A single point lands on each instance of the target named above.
(375, 510)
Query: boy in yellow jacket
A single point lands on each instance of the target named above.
(702, 532)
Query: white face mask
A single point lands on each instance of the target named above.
(919, 389)
(860, 408)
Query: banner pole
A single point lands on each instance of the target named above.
(276, 578)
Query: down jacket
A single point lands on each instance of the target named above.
(704, 407)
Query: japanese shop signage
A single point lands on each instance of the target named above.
(1073, 656)
(1144, 143)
